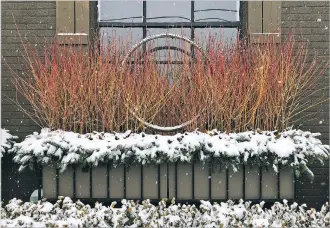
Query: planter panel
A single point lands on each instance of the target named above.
(171, 180)
(99, 181)
(163, 181)
(116, 179)
(133, 182)
(82, 183)
(66, 182)
(184, 190)
(202, 178)
(269, 184)
(287, 183)
(49, 182)
(235, 184)
(218, 185)
(155, 180)
(150, 182)
(252, 183)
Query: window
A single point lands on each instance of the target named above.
(139, 19)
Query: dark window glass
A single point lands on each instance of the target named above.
(120, 11)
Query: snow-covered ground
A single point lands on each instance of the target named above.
(294, 148)
(66, 213)
(7, 141)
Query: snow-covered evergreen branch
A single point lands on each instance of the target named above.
(7, 140)
(294, 148)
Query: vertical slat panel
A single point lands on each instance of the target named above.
(271, 16)
(116, 179)
(236, 184)
(99, 181)
(39, 182)
(90, 181)
(49, 182)
(201, 181)
(65, 16)
(141, 181)
(269, 184)
(287, 183)
(171, 180)
(244, 179)
(108, 180)
(150, 181)
(252, 183)
(74, 168)
(82, 183)
(184, 181)
(133, 182)
(65, 181)
(163, 180)
(218, 185)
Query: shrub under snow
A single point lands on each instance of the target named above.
(294, 148)
(7, 140)
(66, 213)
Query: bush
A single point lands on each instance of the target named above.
(294, 148)
(7, 141)
(65, 213)
(84, 89)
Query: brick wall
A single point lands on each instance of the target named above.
(36, 22)
(311, 20)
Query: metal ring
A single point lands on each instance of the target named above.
(136, 46)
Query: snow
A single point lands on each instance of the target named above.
(293, 148)
(65, 213)
(6, 141)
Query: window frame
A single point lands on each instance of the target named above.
(167, 25)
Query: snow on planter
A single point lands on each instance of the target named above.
(293, 148)
(7, 140)
(66, 213)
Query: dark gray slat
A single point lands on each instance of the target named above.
(227, 184)
(74, 181)
(141, 182)
(124, 182)
(176, 180)
(279, 182)
(260, 183)
(167, 181)
(210, 181)
(158, 179)
(244, 182)
(40, 183)
(57, 182)
(193, 180)
(91, 182)
(108, 180)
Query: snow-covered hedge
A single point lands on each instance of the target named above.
(7, 140)
(294, 148)
(66, 213)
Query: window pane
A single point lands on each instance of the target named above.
(129, 36)
(225, 35)
(117, 11)
(177, 11)
(166, 43)
(206, 11)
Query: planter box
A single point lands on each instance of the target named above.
(183, 181)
